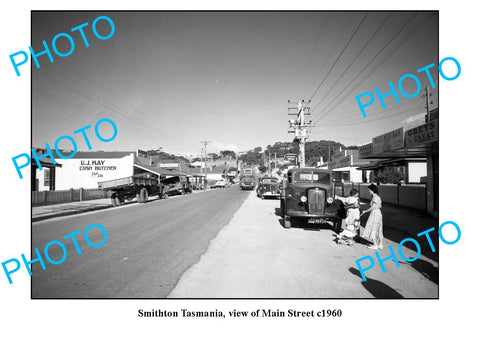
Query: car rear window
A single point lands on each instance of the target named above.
(317, 177)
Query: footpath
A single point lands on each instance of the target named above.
(44, 212)
(254, 256)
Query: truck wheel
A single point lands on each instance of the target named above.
(113, 200)
(287, 222)
(143, 195)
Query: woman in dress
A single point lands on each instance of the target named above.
(374, 227)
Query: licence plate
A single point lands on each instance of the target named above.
(317, 220)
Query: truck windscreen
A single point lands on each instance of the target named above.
(317, 177)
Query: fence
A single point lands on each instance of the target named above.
(406, 195)
(63, 196)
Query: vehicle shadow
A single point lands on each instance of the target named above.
(377, 288)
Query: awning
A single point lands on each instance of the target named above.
(392, 161)
(157, 171)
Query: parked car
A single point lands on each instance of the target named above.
(268, 187)
(308, 194)
(221, 183)
(247, 183)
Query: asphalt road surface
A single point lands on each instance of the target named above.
(148, 248)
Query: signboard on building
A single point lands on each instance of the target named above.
(143, 157)
(87, 172)
(365, 151)
(341, 162)
(425, 133)
(389, 141)
(292, 157)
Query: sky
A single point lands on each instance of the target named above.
(174, 79)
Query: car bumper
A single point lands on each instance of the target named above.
(270, 194)
(295, 213)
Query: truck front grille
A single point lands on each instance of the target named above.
(316, 201)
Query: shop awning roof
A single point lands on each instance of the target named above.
(158, 171)
(381, 163)
(46, 163)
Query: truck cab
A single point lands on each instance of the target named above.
(308, 194)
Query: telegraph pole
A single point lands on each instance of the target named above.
(205, 143)
(299, 127)
(427, 98)
(205, 149)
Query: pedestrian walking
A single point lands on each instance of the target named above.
(374, 227)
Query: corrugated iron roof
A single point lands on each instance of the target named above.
(158, 171)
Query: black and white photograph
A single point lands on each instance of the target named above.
(225, 154)
(229, 170)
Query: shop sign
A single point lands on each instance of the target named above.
(365, 151)
(291, 157)
(96, 165)
(389, 141)
(342, 162)
(425, 133)
(143, 157)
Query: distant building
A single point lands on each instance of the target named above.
(344, 166)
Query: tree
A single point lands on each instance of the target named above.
(262, 169)
(258, 149)
(226, 153)
(213, 155)
(389, 174)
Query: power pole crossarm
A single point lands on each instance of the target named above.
(300, 129)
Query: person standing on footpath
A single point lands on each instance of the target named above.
(374, 227)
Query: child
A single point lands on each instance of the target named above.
(352, 221)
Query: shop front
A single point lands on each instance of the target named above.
(407, 155)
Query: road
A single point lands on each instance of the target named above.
(149, 246)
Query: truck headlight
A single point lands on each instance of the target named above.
(303, 199)
(329, 200)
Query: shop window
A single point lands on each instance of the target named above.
(46, 178)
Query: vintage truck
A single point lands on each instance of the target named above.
(247, 179)
(308, 194)
(139, 186)
(176, 185)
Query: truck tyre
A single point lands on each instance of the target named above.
(143, 195)
(287, 222)
(115, 200)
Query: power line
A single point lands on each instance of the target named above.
(330, 54)
(82, 92)
(400, 44)
(311, 54)
(378, 113)
(354, 59)
(341, 53)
